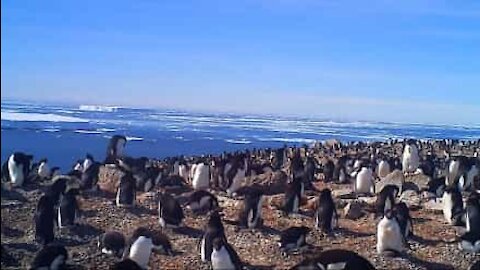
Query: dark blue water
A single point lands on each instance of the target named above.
(64, 133)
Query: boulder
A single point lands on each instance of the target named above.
(394, 178)
(109, 179)
(411, 198)
(420, 180)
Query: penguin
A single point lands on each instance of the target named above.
(44, 220)
(78, 166)
(410, 158)
(436, 187)
(43, 170)
(340, 170)
(140, 251)
(251, 214)
(201, 177)
(201, 201)
(169, 210)
(112, 243)
(16, 169)
(326, 217)
(383, 169)
(402, 214)
(472, 213)
(310, 169)
(51, 257)
(160, 241)
(59, 185)
(455, 170)
(452, 205)
(389, 236)
(293, 195)
(364, 182)
(293, 238)
(475, 265)
(214, 229)
(465, 183)
(68, 209)
(126, 264)
(54, 171)
(328, 171)
(115, 148)
(470, 242)
(126, 192)
(428, 166)
(338, 259)
(386, 199)
(224, 257)
(90, 170)
(236, 176)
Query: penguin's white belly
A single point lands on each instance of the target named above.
(201, 178)
(221, 260)
(203, 251)
(388, 237)
(140, 252)
(363, 183)
(383, 169)
(447, 207)
(43, 170)
(16, 172)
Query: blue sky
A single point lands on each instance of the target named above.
(402, 61)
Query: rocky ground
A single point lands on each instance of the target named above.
(434, 245)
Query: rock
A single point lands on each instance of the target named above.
(394, 178)
(411, 198)
(109, 178)
(353, 210)
(420, 180)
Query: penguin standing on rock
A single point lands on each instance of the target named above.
(50, 257)
(44, 220)
(170, 212)
(410, 159)
(293, 238)
(112, 243)
(326, 218)
(224, 257)
(115, 148)
(126, 192)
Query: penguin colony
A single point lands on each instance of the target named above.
(196, 187)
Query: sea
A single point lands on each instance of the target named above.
(65, 133)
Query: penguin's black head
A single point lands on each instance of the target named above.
(88, 156)
(43, 160)
(218, 243)
(141, 231)
(389, 214)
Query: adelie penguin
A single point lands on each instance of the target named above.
(51, 257)
(90, 170)
(126, 192)
(386, 199)
(470, 241)
(115, 148)
(169, 210)
(112, 243)
(293, 196)
(44, 220)
(452, 205)
(236, 176)
(410, 158)
(141, 250)
(16, 169)
(364, 182)
(251, 214)
(402, 214)
(160, 241)
(68, 210)
(202, 201)
(389, 235)
(326, 218)
(335, 259)
(224, 257)
(43, 170)
(214, 229)
(293, 238)
(201, 177)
